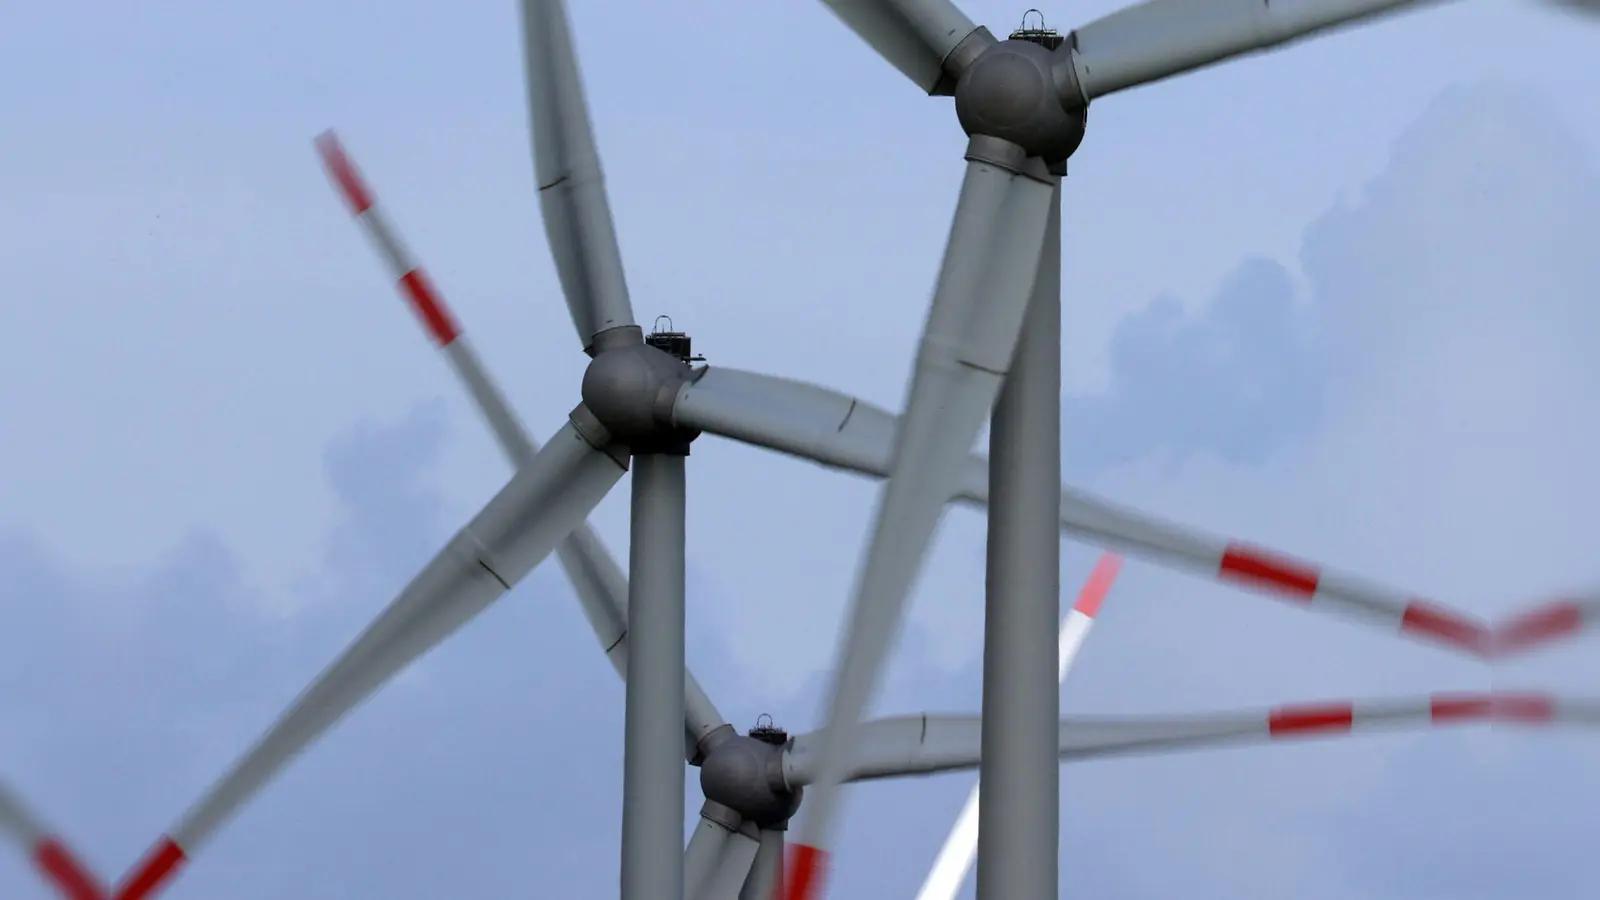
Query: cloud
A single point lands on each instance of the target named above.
(1237, 379)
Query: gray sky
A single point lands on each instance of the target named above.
(1342, 309)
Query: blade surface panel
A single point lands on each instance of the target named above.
(502, 543)
(984, 286)
(572, 193)
(1160, 38)
(914, 36)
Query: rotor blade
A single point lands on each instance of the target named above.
(572, 193)
(1161, 38)
(846, 433)
(50, 855)
(596, 578)
(924, 745)
(766, 872)
(1546, 624)
(914, 36)
(719, 854)
(502, 543)
(1100, 522)
(424, 299)
(983, 290)
(954, 862)
(726, 879)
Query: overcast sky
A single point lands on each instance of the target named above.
(1340, 300)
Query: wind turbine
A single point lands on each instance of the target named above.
(643, 404)
(991, 348)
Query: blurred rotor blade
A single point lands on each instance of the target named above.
(766, 872)
(960, 850)
(985, 283)
(1589, 9)
(914, 36)
(923, 745)
(1546, 624)
(502, 543)
(596, 578)
(1302, 583)
(419, 291)
(1158, 39)
(572, 193)
(719, 854)
(50, 855)
(842, 432)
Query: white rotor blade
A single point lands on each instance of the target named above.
(502, 543)
(572, 193)
(50, 856)
(842, 432)
(954, 862)
(914, 36)
(596, 578)
(719, 854)
(1546, 624)
(984, 286)
(1161, 38)
(923, 745)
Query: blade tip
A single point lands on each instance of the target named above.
(804, 872)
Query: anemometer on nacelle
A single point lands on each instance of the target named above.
(670, 342)
(1047, 38)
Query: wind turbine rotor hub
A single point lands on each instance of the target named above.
(745, 774)
(1011, 92)
(630, 387)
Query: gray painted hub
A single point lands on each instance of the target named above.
(1010, 92)
(630, 387)
(746, 775)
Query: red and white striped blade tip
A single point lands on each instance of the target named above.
(158, 868)
(1293, 579)
(345, 176)
(1538, 627)
(418, 289)
(804, 872)
(1519, 707)
(66, 872)
(1099, 584)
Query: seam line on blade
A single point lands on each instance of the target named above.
(494, 574)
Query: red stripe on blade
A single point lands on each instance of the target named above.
(344, 173)
(1460, 707)
(1099, 585)
(804, 872)
(424, 300)
(158, 869)
(1523, 708)
(1446, 627)
(58, 864)
(1539, 626)
(1260, 568)
(1289, 720)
